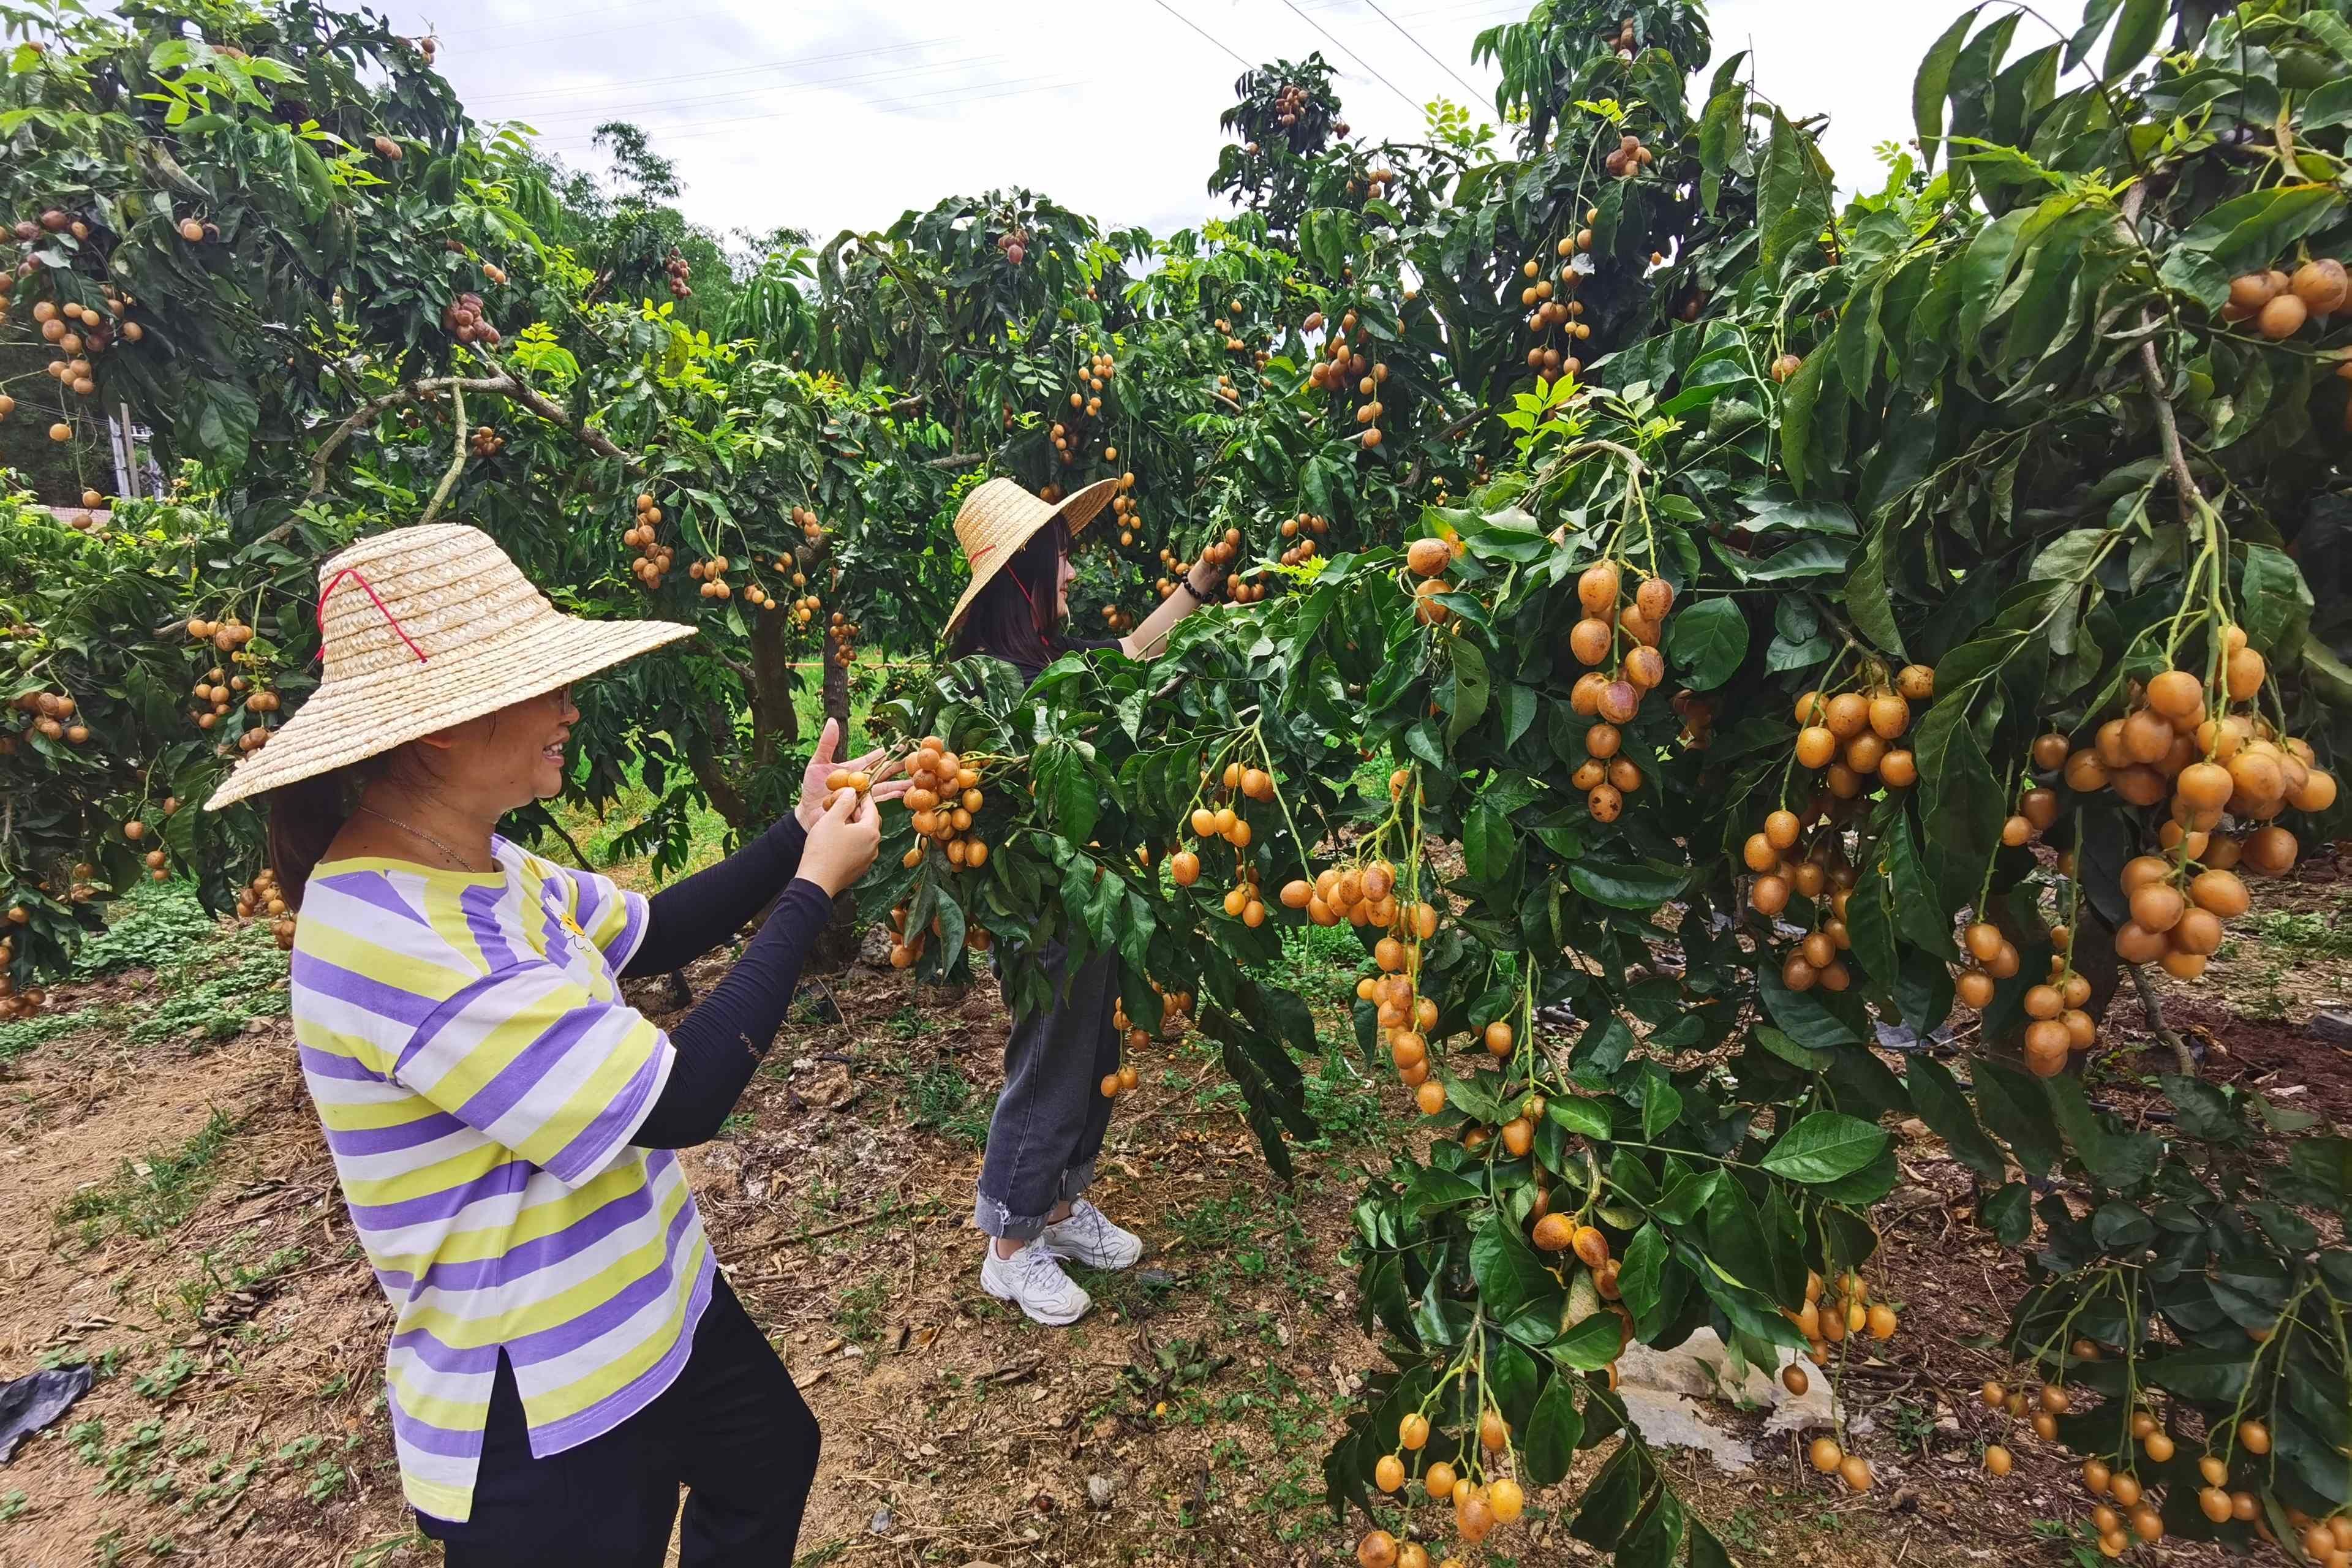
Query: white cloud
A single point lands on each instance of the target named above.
(831, 116)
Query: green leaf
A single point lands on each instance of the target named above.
(1472, 687)
(1934, 81)
(1641, 1273)
(1824, 1146)
(1644, 887)
(1548, 1446)
(1947, 1111)
(1867, 599)
(1707, 642)
(2252, 229)
(1487, 843)
(1810, 1058)
(2013, 1106)
(1590, 1345)
(2273, 602)
(2135, 35)
(1581, 1114)
(2009, 1214)
(1807, 1019)
(1510, 1276)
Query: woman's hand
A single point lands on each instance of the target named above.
(876, 765)
(1194, 580)
(843, 842)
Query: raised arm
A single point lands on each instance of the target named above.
(1149, 640)
(688, 919)
(722, 1041)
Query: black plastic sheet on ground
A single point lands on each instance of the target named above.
(29, 1403)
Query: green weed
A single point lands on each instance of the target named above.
(167, 1379)
(211, 1003)
(941, 1102)
(25, 1034)
(150, 1197)
(2298, 937)
(13, 1504)
(153, 926)
(858, 1314)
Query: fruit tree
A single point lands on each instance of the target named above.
(1699, 632)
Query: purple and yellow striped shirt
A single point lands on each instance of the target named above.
(480, 1077)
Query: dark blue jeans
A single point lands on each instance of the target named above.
(1051, 1116)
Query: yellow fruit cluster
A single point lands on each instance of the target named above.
(1479, 1507)
(943, 796)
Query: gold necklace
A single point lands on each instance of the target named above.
(455, 858)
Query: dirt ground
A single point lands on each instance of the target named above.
(172, 1217)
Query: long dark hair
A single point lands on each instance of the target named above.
(304, 817)
(1014, 617)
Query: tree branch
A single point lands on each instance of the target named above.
(2151, 374)
(412, 392)
(2154, 1011)
(954, 461)
(539, 403)
(457, 459)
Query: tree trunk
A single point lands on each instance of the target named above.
(776, 718)
(837, 689)
(726, 798)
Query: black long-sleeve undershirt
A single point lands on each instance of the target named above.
(720, 1043)
(689, 919)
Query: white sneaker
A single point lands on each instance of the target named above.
(1088, 1237)
(1032, 1279)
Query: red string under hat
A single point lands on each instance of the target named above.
(394, 621)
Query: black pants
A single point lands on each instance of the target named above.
(732, 1430)
(1051, 1115)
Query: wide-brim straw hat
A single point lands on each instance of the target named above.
(422, 629)
(1000, 516)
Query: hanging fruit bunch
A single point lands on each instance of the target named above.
(845, 640)
(1553, 311)
(465, 318)
(1123, 510)
(943, 799)
(2193, 744)
(1219, 551)
(1218, 814)
(1304, 529)
(54, 716)
(1014, 246)
(676, 269)
(654, 558)
(712, 574)
(263, 899)
(1347, 371)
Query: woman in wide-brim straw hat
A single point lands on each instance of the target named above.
(1052, 1114)
(564, 1354)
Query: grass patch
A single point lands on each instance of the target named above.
(150, 1196)
(213, 994)
(940, 1100)
(155, 925)
(1316, 962)
(858, 1313)
(25, 1034)
(2303, 936)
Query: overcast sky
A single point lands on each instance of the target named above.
(841, 116)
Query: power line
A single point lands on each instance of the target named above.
(1475, 96)
(1351, 54)
(1197, 27)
